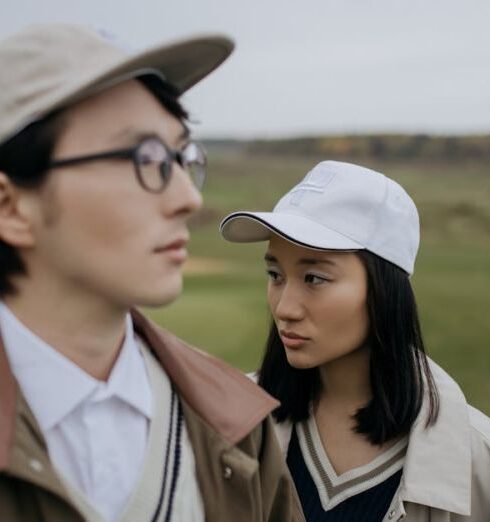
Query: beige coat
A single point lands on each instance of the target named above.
(240, 470)
(446, 475)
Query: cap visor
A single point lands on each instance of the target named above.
(182, 64)
(250, 227)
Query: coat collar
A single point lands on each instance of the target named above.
(222, 396)
(8, 399)
(42, 372)
(438, 465)
(437, 470)
(227, 400)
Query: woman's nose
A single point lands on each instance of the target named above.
(289, 305)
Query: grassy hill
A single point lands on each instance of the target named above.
(224, 311)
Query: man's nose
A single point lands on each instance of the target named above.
(183, 197)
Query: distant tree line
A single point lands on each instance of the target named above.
(379, 146)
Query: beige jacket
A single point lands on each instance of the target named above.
(240, 469)
(446, 475)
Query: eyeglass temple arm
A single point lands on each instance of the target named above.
(120, 154)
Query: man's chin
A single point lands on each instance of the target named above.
(161, 297)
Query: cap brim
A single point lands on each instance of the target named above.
(181, 64)
(250, 227)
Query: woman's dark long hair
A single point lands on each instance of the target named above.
(399, 370)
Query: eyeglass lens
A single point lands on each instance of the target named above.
(154, 163)
(194, 162)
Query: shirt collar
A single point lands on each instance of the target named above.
(54, 386)
(437, 469)
(129, 378)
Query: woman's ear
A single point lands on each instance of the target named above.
(16, 213)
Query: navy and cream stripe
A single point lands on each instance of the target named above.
(172, 462)
(333, 488)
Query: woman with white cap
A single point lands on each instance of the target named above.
(371, 428)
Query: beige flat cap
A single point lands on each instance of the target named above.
(46, 67)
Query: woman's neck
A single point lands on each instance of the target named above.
(346, 382)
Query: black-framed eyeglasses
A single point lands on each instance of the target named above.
(152, 160)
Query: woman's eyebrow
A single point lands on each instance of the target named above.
(315, 261)
(269, 258)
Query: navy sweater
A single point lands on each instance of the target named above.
(369, 506)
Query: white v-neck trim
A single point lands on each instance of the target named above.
(334, 489)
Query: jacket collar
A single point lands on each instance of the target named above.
(42, 372)
(438, 464)
(437, 470)
(8, 399)
(226, 399)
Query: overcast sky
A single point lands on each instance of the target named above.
(312, 67)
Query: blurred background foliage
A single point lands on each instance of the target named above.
(223, 309)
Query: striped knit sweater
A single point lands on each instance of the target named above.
(363, 493)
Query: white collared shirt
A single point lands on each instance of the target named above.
(96, 431)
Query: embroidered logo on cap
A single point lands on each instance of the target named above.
(315, 181)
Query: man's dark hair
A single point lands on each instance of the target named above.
(399, 370)
(25, 159)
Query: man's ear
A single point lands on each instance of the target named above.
(16, 213)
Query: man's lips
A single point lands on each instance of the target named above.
(178, 243)
(292, 339)
(176, 250)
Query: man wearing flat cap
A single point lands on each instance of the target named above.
(103, 415)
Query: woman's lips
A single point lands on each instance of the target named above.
(292, 339)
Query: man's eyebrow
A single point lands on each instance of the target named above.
(132, 136)
(269, 258)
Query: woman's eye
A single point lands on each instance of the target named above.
(314, 279)
(273, 276)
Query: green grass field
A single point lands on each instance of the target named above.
(223, 309)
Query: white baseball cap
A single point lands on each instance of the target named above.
(338, 206)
